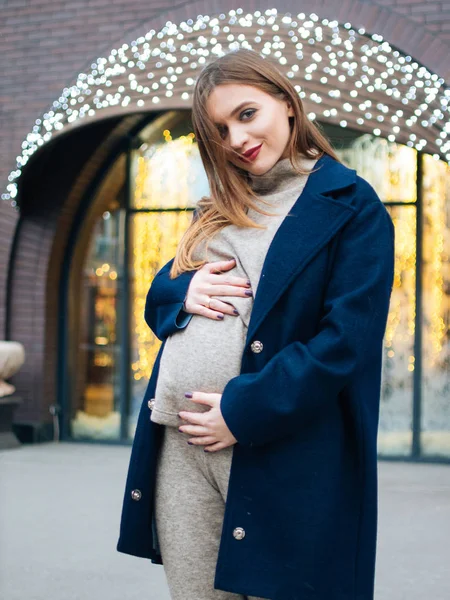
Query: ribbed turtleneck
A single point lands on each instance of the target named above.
(279, 178)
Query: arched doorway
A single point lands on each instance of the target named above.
(131, 228)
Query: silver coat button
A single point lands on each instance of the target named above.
(256, 346)
(239, 533)
(136, 494)
(151, 404)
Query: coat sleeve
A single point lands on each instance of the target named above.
(299, 381)
(164, 312)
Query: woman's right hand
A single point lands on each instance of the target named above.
(209, 281)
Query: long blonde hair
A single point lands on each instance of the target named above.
(231, 193)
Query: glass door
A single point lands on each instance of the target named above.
(97, 288)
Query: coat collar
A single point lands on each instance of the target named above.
(311, 223)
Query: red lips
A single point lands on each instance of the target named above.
(251, 151)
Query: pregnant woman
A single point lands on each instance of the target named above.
(253, 469)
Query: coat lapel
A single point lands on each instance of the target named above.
(311, 223)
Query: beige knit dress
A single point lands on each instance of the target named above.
(206, 354)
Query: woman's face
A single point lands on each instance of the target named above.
(247, 118)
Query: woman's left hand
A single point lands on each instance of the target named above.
(209, 428)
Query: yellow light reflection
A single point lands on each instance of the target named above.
(402, 306)
(435, 184)
(156, 236)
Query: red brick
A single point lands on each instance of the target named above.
(426, 7)
(441, 17)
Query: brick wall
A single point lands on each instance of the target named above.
(56, 190)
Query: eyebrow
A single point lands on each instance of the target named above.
(238, 108)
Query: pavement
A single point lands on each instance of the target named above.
(59, 520)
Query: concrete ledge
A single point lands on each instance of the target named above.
(8, 404)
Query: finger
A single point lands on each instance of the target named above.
(202, 441)
(199, 309)
(223, 307)
(208, 398)
(194, 430)
(194, 418)
(218, 306)
(229, 290)
(215, 447)
(222, 265)
(222, 278)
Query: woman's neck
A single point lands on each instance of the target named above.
(281, 177)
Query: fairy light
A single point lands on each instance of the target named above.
(324, 55)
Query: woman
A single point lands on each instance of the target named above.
(258, 478)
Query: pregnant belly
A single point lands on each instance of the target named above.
(203, 357)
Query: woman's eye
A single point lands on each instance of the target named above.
(249, 110)
(222, 132)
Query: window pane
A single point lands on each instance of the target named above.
(167, 169)
(389, 167)
(395, 429)
(154, 238)
(93, 309)
(435, 436)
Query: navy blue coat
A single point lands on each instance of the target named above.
(304, 410)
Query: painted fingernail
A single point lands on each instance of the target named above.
(220, 317)
(235, 312)
(190, 443)
(205, 450)
(180, 430)
(249, 283)
(248, 293)
(188, 395)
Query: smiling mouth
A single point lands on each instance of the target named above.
(252, 155)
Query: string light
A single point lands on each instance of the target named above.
(321, 55)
